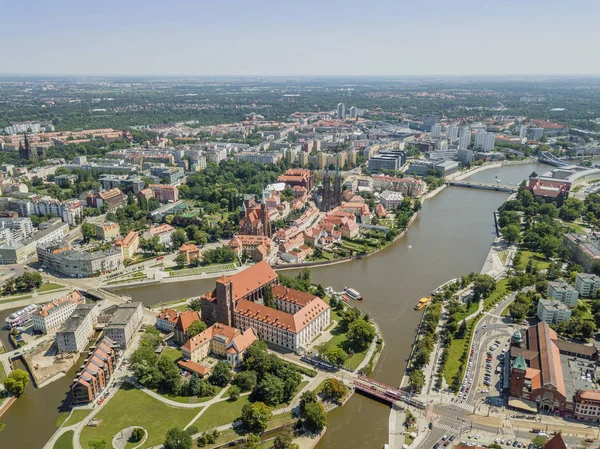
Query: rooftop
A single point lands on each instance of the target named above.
(123, 314)
(77, 317)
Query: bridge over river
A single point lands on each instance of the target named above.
(483, 186)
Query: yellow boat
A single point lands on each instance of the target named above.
(423, 302)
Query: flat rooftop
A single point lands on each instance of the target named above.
(123, 314)
(573, 369)
(77, 317)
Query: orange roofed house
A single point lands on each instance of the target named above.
(237, 302)
(221, 340)
(128, 244)
(184, 321)
(298, 177)
(191, 252)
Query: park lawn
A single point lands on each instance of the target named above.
(173, 354)
(455, 352)
(13, 298)
(588, 313)
(49, 286)
(462, 314)
(2, 372)
(77, 416)
(65, 441)
(499, 293)
(220, 413)
(538, 260)
(132, 407)
(575, 227)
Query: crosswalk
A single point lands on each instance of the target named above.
(463, 405)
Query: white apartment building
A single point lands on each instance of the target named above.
(68, 211)
(551, 311)
(563, 292)
(464, 139)
(390, 199)
(436, 130)
(452, 132)
(587, 285)
(22, 227)
(123, 324)
(74, 334)
(52, 315)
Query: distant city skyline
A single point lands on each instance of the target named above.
(310, 38)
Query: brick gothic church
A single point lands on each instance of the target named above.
(255, 220)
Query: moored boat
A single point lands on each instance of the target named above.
(353, 293)
(422, 302)
(20, 317)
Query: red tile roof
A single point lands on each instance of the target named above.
(185, 319)
(250, 279)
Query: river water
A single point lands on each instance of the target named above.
(451, 236)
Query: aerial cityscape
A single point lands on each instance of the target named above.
(297, 234)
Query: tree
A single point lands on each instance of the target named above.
(539, 441)
(200, 387)
(87, 231)
(179, 237)
(195, 304)
(136, 435)
(181, 259)
(246, 380)
(268, 298)
(170, 378)
(335, 355)
(285, 440)
(548, 245)
(195, 328)
(253, 441)
(315, 418)
(16, 382)
(270, 390)
(416, 380)
(360, 334)
(220, 374)
(483, 285)
(512, 233)
(334, 389)
(417, 205)
(234, 393)
(255, 417)
(177, 439)
(308, 397)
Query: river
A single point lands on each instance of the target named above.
(451, 236)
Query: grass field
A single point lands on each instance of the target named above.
(473, 306)
(220, 414)
(5, 299)
(538, 260)
(49, 286)
(575, 227)
(455, 351)
(2, 372)
(131, 407)
(207, 269)
(499, 293)
(65, 441)
(77, 416)
(172, 353)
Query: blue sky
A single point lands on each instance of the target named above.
(231, 37)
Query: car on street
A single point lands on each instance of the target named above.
(515, 443)
(436, 445)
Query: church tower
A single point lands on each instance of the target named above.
(337, 188)
(326, 196)
(224, 303)
(266, 222)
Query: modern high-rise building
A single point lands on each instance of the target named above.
(452, 132)
(464, 139)
(488, 142)
(353, 112)
(341, 111)
(429, 121)
(522, 131)
(485, 141)
(436, 130)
